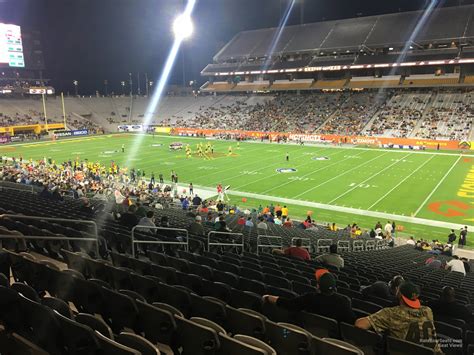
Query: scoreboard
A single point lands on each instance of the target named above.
(11, 46)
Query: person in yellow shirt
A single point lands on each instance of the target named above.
(284, 213)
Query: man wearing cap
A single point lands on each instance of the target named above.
(326, 302)
(408, 321)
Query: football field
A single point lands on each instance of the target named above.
(426, 193)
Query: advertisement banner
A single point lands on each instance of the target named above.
(414, 143)
(4, 139)
(75, 133)
(131, 128)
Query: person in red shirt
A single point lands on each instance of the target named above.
(241, 221)
(297, 251)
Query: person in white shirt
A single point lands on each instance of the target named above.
(278, 221)
(262, 224)
(411, 241)
(388, 229)
(456, 265)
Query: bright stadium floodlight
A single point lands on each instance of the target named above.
(183, 26)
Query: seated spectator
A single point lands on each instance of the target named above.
(148, 221)
(447, 306)
(372, 233)
(197, 201)
(405, 320)
(288, 223)
(86, 207)
(196, 227)
(45, 193)
(297, 251)
(387, 291)
(261, 224)
(221, 225)
(241, 221)
(411, 241)
(249, 222)
(331, 259)
(170, 234)
(141, 211)
(433, 262)
(326, 302)
(456, 265)
(129, 219)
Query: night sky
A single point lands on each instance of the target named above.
(94, 40)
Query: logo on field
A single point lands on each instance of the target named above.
(286, 170)
(320, 158)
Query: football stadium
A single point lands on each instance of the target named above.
(217, 183)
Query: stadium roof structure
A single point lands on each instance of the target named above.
(340, 42)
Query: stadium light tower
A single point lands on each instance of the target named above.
(183, 26)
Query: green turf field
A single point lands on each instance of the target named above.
(337, 184)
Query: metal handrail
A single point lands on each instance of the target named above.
(324, 248)
(224, 244)
(370, 245)
(343, 245)
(358, 245)
(96, 233)
(269, 245)
(162, 242)
(303, 240)
(30, 188)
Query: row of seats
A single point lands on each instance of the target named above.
(188, 332)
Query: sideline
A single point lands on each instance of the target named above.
(351, 210)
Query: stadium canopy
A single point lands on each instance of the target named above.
(305, 42)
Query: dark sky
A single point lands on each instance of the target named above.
(94, 40)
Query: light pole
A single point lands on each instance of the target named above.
(76, 85)
(147, 84)
(130, 83)
(106, 85)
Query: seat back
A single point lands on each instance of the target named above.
(94, 323)
(77, 338)
(137, 342)
(318, 325)
(369, 342)
(255, 344)
(288, 340)
(239, 322)
(157, 324)
(335, 347)
(196, 339)
(397, 346)
(111, 347)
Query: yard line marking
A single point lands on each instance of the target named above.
(341, 174)
(401, 182)
(289, 182)
(368, 179)
(436, 187)
(296, 166)
(253, 163)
